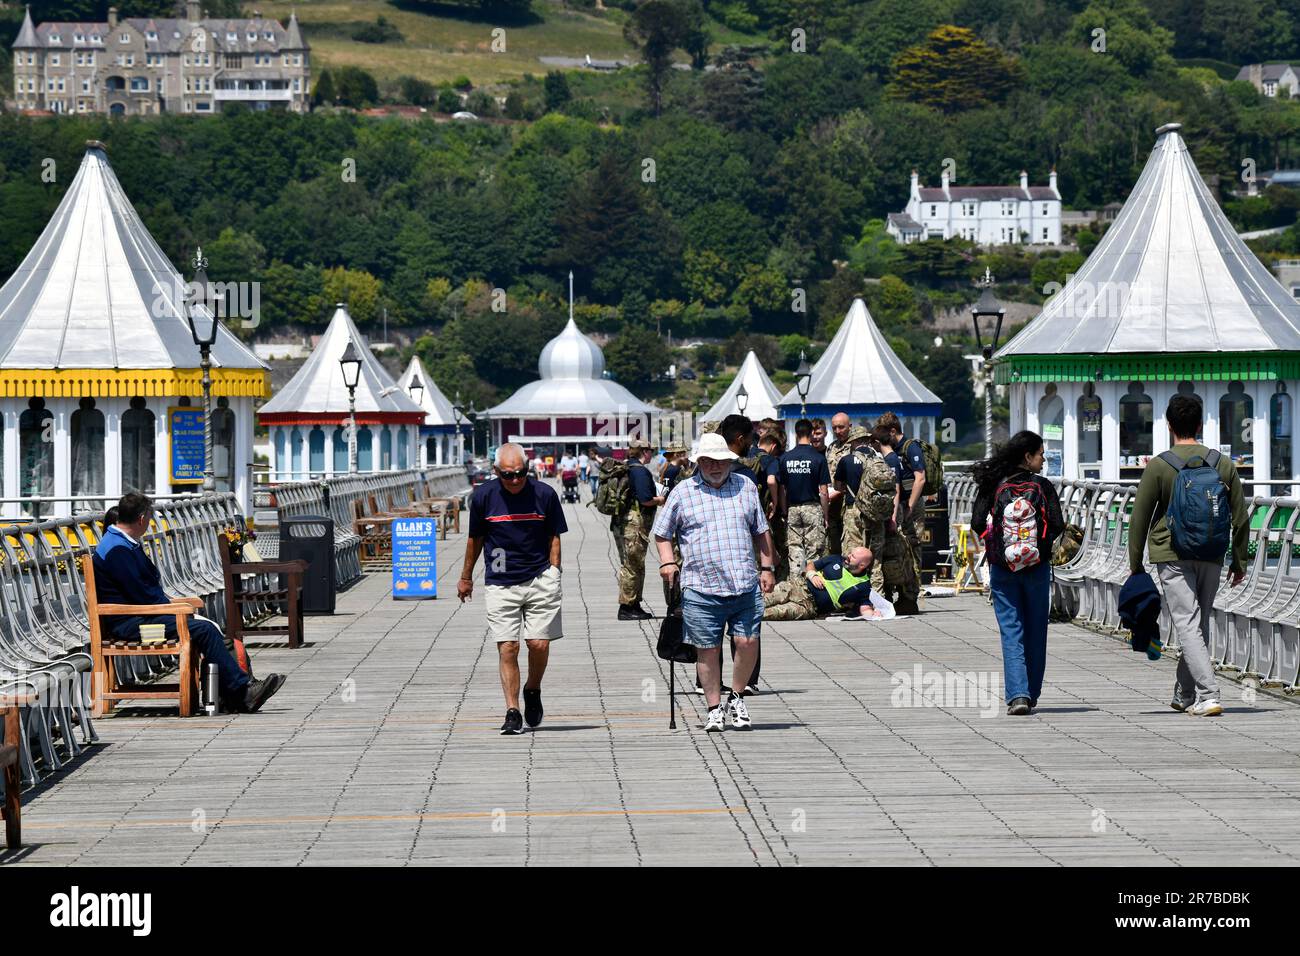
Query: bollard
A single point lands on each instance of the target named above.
(211, 691)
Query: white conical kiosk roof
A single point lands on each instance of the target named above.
(318, 386)
(860, 374)
(762, 398)
(97, 292)
(437, 408)
(1170, 275)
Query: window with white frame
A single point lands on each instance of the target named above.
(124, 38)
(55, 60)
(934, 210)
(1008, 209)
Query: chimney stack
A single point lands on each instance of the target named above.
(192, 12)
(112, 17)
(1051, 180)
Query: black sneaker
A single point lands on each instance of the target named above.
(646, 613)
(1018, 707)
(533, 706)
(630, 612)
(514, 723)
(258, 693)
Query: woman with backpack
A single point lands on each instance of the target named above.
(1018, 514)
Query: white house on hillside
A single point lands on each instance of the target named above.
(1271, 78)
(988, 215)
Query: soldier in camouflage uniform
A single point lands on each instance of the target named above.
(636, 532)
(805, 480)
(835, 452)
(904, 524)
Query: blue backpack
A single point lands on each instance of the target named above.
(1199, 516)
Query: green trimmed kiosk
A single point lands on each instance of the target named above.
(1170, 301)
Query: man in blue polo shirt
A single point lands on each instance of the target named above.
(515, 522)
(805, 478)
(911, 501)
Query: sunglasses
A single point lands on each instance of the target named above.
(513, 475)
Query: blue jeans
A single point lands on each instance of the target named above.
(1021, 601)
(706, 616)
(205, 637)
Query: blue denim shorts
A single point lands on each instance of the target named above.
(706, 616)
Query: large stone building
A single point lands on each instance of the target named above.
(143, 65)
(988, 215)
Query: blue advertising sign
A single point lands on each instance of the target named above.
(185, 428)
(415, 559)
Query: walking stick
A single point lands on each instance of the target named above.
(672, 703)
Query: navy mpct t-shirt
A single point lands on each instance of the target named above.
(517, 529)
(803, 470)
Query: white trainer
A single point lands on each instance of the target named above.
(1210, 707)
(739, 713)
(715, 723)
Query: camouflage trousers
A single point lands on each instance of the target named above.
(776, 525)
(836, 527)
(913, 528)
(636, 538)
(789, 601)
(805, 532)
(861, 533)
(616, 529)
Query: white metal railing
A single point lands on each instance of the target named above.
(221, 94)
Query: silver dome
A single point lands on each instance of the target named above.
(571, 355)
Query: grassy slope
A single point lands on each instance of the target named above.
(440, 48)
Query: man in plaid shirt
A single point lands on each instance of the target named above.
(718, 522)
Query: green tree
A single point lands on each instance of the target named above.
(636, 355)
(876, 252)
(1130, 34)
(657, 28)
(324, 94)
(946, 373)
(555, 90)
(355, 87)
(953, 70)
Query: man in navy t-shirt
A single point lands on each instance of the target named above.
(515, 522)
(805, 478)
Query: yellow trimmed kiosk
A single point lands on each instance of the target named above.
(100, 385)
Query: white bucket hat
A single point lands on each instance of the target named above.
(712, 446)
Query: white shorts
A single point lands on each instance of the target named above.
(529, 611)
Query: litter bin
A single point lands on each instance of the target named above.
(311, 538)
(935, 538)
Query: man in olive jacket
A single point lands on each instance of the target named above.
(1189, 586)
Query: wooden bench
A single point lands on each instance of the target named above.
(238, 597)
(10, 774)
(107, 691)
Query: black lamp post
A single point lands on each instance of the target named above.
(987, 315)
(203, 329)
(803, 378)
(350, 363)
(458, 411)
(416, 388)
(742, 399)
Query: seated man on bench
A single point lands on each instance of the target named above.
(125, 575)
(833, 583)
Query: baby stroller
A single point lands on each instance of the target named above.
(570, 479)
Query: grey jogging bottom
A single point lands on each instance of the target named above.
(1189, 588)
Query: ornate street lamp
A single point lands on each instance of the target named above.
(203, 329)
(987, 315)
(803, 379)
(416, 388)
(742, 399)
(350, 363)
